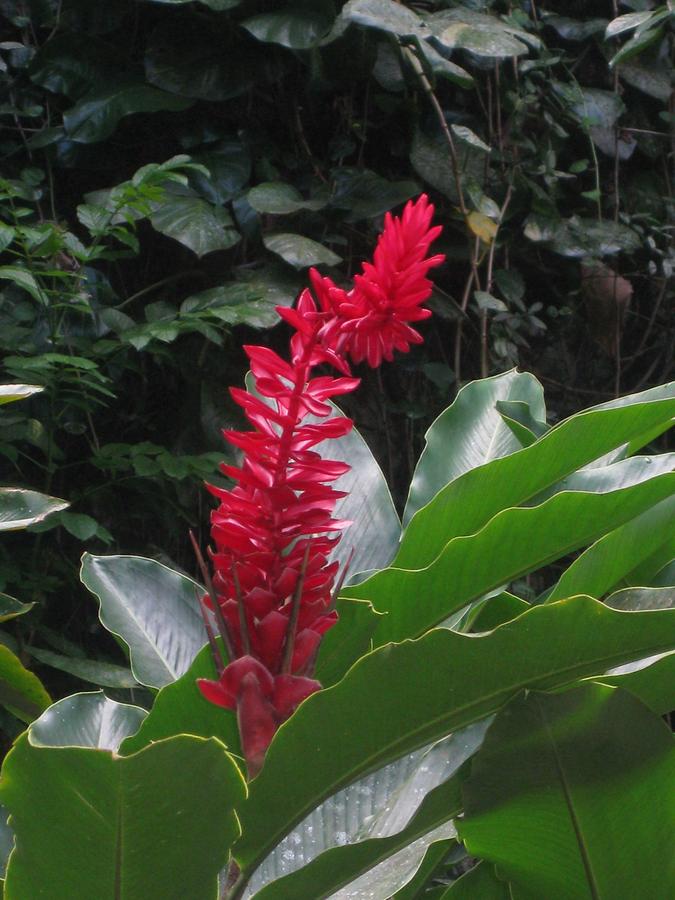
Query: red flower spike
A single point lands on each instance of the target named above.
(274, 531)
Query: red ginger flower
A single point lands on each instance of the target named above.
(274, 531)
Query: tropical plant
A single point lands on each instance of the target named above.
(169, 171)
(493, 687)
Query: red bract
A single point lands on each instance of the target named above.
(274, 532)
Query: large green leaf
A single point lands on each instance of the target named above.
(21, 690)
(479, 34)
(298, 29)
(11, 392)
(470, 433)
(229, 166)
(180, 708)
(237, 303)
(374, 533)
(388, 704)
(604, 565)
(153, 609)
(370, 838)
(86, 720)
(385, 15)
(96, 115)
(25, 280)
(89, 823)
(94, 671)
(363, 194)
(348, 640)
(279, 198)
(20, 508)
(610, 477)
(467, 503)
(10, 608)
(513, 543)
(571, 796)
(651, 679)
(299, 251)
(194, 222)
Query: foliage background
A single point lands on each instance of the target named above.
(248, 140)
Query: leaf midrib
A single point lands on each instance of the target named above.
(567, 793)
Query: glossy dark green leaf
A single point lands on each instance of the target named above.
(636, 45)
(579, 237)
(153, 609)
(444, 68)
(10, 608)
(514, 543)
(389, 706)
(429, 158)
(21, 691)
(627, 22)
(546, 800)
(279, 198)
(24, 279)
(470, 433)
(385, 15)
(71, 64)
(194, 223)
(86, 720)
(576, 29)
(111, 820)
(229, 168)
(480, 34)
(300, 252)
(363, 194)
(96, 115)
(652, 78)
(297, 29)
(91, 670)
(180, 708)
